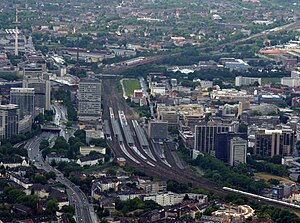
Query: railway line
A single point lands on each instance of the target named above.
(152, 167)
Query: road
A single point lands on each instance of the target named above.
(84, 210)
(289, 26)
(61, 119)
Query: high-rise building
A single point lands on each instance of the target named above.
(274, 142)
(9, 120)
(223, 144)
(158, 130)
(89, 99)
(206, 133)
(24, 98)
(42, 89)
(238, 151)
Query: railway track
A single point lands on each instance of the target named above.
(158, 169)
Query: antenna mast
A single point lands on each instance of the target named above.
(17, 33)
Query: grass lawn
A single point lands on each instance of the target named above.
(266, 176)
(270, 80)
(130, 85)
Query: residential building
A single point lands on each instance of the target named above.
(53, 157)
(274, 142)
(231, 95)
(9, 120)
(152, 186)
(158, 88)
(206, 84)
(269, 98)
(169, 198)
(24, 98)
(90, 160)
(12, 163)
(240, 81)
(93, 134)
(89, 99)
(85, 150)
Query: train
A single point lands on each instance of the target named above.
(259, 197)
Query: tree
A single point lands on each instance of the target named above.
(243, 128)
(68, 209)
(44, 144)
(98, 142)
(50, 175)
(51, 206)
(198, 215)
(38, 178)
(272, 113)
(274, 181)
(255, 113)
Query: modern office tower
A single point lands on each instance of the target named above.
(274, 142)
(89, 99)
(238, 151)
(42, 89)
(205, 135)
(9, 120)
(24, 98)
(158, 130)
(223, 146)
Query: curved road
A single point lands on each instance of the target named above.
(84, 210)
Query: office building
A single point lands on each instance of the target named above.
(89, 99)
(9, 120)
(42, 91)
(274, 142)
(158, 130)
(223, 144)
(240, 81)
(205, 135)
(33, 70)
(24, 98)
(238, 151)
